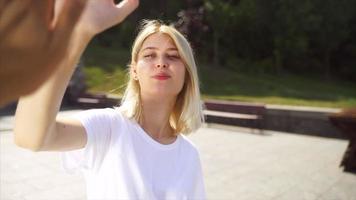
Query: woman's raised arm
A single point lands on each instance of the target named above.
(36, 126)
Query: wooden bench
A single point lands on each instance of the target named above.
(88, 101)
(235, 113)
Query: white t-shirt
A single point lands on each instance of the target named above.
(121, 161)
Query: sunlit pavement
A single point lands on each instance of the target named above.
(238, 164)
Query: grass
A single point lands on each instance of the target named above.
(272, 89)
(106, 72)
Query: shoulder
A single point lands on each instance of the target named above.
(189, 147)
(100, 118)
(97, 112)
(101, 113)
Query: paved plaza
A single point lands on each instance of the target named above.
(238, 164)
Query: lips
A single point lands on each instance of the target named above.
(161, 76)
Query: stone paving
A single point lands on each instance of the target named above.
(237, 163)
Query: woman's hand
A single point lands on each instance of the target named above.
(100, 15)
(42, 106)
(33, 43)
(36, 35)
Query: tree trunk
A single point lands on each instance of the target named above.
(278, 61)
(327, 67)
(216, 48)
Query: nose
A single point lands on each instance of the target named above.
(161, 63)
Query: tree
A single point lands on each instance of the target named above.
(219, 14)
(335, 18)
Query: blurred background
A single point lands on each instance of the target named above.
(276, 52)
(287, 69)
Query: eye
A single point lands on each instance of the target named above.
(148, 56)
(173, 56)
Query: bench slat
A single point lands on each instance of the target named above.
(230, 115)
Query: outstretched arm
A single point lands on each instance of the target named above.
(36, 126)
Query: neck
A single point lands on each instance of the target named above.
(155, 117)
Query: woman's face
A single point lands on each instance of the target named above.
(159, 68)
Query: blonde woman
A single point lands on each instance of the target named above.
(135, 151)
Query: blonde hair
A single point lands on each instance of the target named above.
(187, 115)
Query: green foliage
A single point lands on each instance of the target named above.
(284, 36)
(225, 84)
(106, 68)
(99, 80)
(299, 36)
(108, 58)
(284, 89)
(276, 51)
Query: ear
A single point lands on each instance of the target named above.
(133, 71)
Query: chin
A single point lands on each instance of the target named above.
(163, 93)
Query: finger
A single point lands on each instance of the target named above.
(44, 11)
(12, 15)
(49, 13)
(14, 11)
(11, 8)
(58, 8)
(68, 16)
(3, 4)
(124, 8)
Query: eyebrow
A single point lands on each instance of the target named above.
(155, 48)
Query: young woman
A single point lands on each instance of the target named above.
(135, 151)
